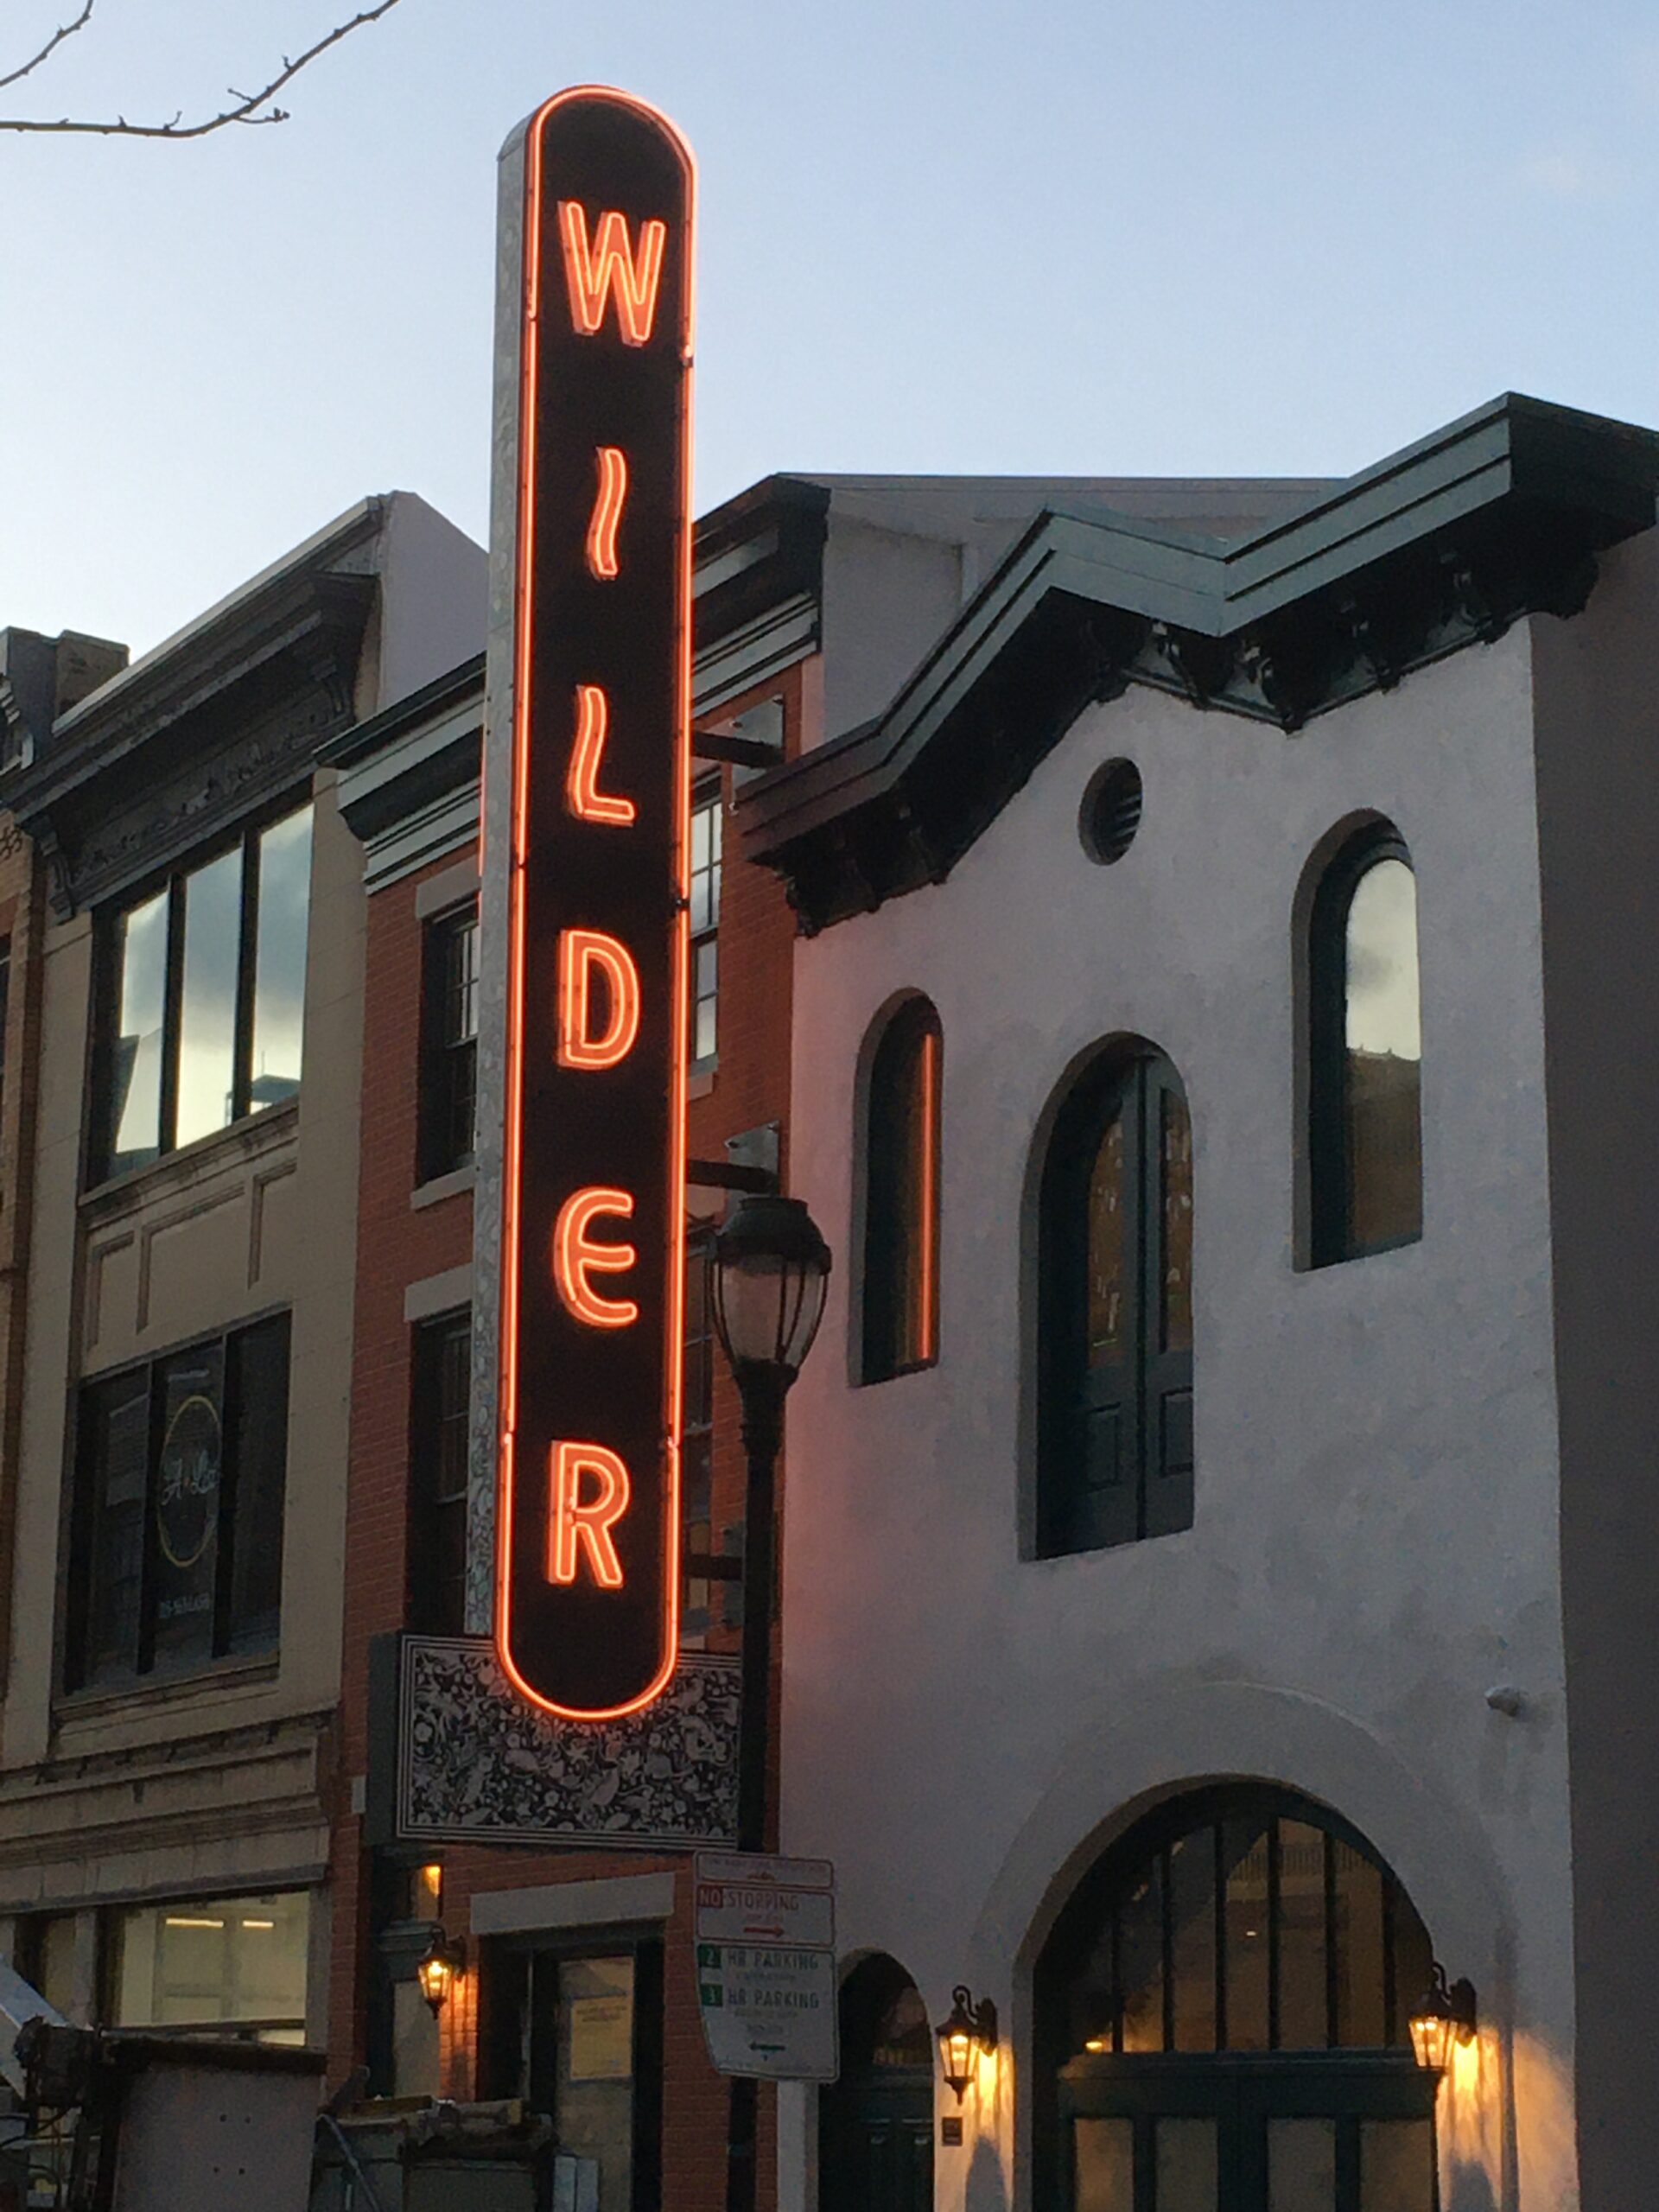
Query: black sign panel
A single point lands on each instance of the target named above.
(593, 1253)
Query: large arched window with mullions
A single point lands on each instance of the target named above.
(901, 1195)
(1221, 2020)
(1114, 1308)
(1365, 1053)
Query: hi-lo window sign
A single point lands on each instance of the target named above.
(592, 1251)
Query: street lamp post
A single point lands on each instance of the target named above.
(771, 1271)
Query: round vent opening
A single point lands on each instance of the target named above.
(1111, 812)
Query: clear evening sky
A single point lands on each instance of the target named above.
(1274, 237)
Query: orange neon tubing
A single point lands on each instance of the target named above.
(607, 267)
(576, 1255)
(674, 1322)
(573, 1528)
(582, 951)
(581, 792)
(607, 511)
(927, 1332)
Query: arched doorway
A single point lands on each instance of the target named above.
(875, 2123)
(1221, 2015)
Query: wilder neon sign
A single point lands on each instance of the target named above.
(593, 1168)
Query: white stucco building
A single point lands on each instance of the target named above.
(1220, 1506)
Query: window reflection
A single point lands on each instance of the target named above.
(213, 920)
(204, 1016)
(1106, 1247)
(703, 890)
(1365, 1053)
(1177, 1134)
(136, 1075)
(1383, 1040)
(279, 960)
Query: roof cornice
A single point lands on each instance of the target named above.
(1501, 513)
(225, 717)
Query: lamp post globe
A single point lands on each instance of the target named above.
(770, 1274)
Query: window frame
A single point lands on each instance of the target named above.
(1330, 1238)
(440, 1055)
(422, 1607)
(251, 2029)
(82, 1509)
(1128, 1082)
(697, 1442)
(707, 796)
(169, 885)
(900, 1239)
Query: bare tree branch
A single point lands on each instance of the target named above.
(63, 31)
(248, 105)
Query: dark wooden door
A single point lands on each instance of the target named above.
(875, 2123)
(1117, 1317)
(877, 2151)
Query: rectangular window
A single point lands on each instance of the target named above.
(229, 1966)
(438, 1520)
(706, 817)
(697, 1433)
(176, 1559)
(204, 1003)
(449, 1044)
(46, 1956)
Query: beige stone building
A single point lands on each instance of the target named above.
(178, 1148)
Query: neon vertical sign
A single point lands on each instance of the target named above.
(593, 1168)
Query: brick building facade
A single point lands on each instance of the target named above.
(529, 1912)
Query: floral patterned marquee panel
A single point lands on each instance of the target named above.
(474, 1761)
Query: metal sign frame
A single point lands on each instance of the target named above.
(591, 1262)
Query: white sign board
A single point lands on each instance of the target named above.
(765, 1949)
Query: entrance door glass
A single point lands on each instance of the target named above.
(593, 2101)
(1301, 2165)
(1186, 2165)
(1105, 2156)
(1397, 2165)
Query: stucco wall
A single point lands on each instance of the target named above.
(1599, 816)
(887, 595)
(1375, 1543)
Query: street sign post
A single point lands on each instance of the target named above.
(766, 1951)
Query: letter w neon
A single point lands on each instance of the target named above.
(594, 270)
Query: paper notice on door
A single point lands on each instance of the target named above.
(601, 2038)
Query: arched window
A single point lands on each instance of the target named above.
(1365, 1153)
(1225, 2002)
(1115, 1309)
(875, 2123)
(901, 1204)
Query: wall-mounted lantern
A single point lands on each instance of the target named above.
(1442, 2016)
(970, 2029)
(443, 1960)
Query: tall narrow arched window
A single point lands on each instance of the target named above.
(1365, 1153)
(901, 1206)
(1115, 1309)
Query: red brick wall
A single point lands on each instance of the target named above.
(397, 1246)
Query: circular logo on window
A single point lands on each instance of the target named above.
(187, 1491)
